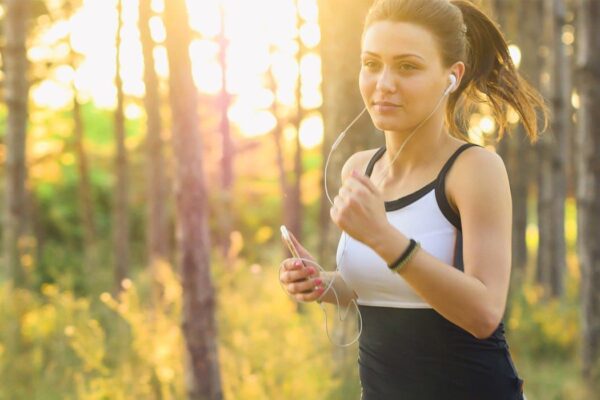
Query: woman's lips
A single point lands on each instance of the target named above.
(385, 106)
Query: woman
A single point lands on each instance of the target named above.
(428, 245)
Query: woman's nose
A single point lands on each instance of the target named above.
(385, 81)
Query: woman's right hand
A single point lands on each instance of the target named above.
(302, 278)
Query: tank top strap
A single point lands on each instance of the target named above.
(374, 159)
(440, 187)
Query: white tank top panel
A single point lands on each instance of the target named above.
(425, 216)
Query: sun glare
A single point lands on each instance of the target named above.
(311, 131)
(261, 36)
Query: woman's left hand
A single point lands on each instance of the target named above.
(359, 209)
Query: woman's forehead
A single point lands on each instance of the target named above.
(390, 39)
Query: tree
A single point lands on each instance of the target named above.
(294, 203)
(552, 157)
(588, 181)
(228, 151)
(157, 238)
(121, 203)
(16, 97)
(199, 326)
(84, 188)
(514, 149)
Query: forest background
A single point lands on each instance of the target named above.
(151, 149)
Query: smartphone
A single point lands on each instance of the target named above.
(288, 241)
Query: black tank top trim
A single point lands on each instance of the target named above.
(440, 188)
(404, 200)
(437, 183)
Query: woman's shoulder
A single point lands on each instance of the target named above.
(478, 169)
(358, 161)
(479, 157)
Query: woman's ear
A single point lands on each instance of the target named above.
(458, 70)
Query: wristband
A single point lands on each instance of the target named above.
(412, 248)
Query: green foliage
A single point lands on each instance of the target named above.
(59, 346)
(267, 349)
(70, 347)
(544, 327)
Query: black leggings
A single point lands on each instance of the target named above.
(416, 354)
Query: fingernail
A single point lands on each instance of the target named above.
(318, 281)
(297, 264)
(311, 270)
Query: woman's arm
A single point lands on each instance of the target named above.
(476, 298)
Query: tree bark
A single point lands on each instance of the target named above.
(199, 326)
(84, 190)
(227, 146)
(514, 148)
(156, 236)
(121, 212)
(588, 182)
(552, 159)
(16, 95)
(295, 204)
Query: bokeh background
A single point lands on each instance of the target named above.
(150, 149)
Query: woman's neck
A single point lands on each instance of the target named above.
(425, 146)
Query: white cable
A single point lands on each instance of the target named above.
(330, 286)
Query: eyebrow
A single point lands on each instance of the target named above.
(395, 57)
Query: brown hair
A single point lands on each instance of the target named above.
(464, 33)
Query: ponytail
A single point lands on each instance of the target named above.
(490, 76)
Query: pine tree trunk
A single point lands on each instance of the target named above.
(86, 209)
(552, 160)
(16, 96)
(514, 148)
(588, 182)
(227, 145)
(280, 153)
(295, 207)
(199, 325)
(121, 211)
(157, 238)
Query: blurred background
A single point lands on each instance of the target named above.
(150, 149)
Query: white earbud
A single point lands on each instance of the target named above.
(452, 84)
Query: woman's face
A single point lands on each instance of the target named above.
(401, 77)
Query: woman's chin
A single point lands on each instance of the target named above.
(384, 125)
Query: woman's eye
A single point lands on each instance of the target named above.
(406, 67)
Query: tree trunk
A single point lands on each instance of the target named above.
(16, 96)
(279, 152)
(157, 238)
(513, 148)
(588, 183)
(86, 209)
(199, 326)
(121, 214)
(295, 204)
(552, 159)
(227, 153)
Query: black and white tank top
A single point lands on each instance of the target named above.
(424, 215)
